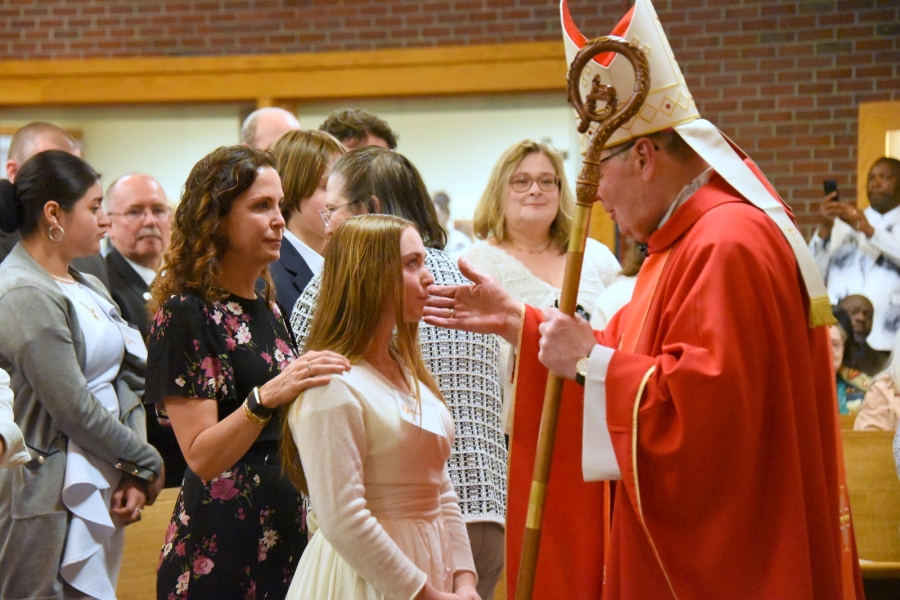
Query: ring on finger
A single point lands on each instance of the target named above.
(451, 312)
(309, 369)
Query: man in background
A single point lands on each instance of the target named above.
(262, 127)
(138, 234)
(139, 230)
(356, 128)
(32, 139)
(862, 356)
(858, 251)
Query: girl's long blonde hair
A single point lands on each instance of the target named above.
(362, 274)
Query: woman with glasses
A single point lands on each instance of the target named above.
(523, 221)
(304, 163)
(464, 365)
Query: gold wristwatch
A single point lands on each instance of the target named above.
(581, 368)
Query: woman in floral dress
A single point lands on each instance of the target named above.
(221, 360)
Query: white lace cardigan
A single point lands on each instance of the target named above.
(599, 270)
(466, 369)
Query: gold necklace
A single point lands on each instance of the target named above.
(80, 287)
(541, 251)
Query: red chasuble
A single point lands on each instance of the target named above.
(730, 454)
(724, 425)
(571, 553)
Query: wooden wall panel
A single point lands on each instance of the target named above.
(875, 120)
(501, 69)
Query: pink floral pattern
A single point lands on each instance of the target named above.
(241, 533)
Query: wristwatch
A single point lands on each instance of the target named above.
(581, 368)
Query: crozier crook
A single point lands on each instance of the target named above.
(608, 119)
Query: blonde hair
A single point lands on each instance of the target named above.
(490, 214)
(302, 157)
(362, 273)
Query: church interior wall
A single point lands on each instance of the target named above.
(784, 79)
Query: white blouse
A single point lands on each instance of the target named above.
(94, 541)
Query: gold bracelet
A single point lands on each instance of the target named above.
(256, 420)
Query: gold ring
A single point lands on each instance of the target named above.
(308, 369)
(451, 312)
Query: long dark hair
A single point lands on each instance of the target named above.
(373, 172)
(50, 175)
(198, 239)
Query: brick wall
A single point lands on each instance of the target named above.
(783, 78)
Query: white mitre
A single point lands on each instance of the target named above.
(670, 105)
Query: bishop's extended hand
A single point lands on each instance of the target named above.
(483, 306)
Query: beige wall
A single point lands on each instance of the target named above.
(453, 142)
(164, 142)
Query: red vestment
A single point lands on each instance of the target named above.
(732, 486)
(571, 552)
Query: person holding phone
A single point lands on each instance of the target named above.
(858, 250)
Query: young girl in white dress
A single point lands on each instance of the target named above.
(373, 443)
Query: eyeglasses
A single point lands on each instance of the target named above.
(522, 182)
(159, 213)
(326, 214)
(624, 148)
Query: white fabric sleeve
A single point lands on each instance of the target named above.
(328, 427)
(15, 453)
(598, 459)
(887, 242)
(456, 526)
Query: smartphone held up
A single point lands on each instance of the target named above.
(830, 187)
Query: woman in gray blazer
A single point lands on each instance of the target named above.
(76, 370)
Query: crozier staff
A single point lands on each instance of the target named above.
(679, 402)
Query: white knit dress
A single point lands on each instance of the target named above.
(376, 465)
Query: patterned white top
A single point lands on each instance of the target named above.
(466, 369)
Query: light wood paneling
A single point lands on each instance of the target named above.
(875, 120)
(272, 79)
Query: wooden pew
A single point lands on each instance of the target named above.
(143, 541)
(874, 500)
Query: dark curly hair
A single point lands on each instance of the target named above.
(198, 240)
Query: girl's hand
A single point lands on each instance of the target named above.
(128, 500)
(429, 593)
(464, 585)
(309, 370)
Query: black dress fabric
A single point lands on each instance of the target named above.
(241, 534)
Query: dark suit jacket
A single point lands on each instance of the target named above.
(128, 291)
(95, 265)
(291, 274)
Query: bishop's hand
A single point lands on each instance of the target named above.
(564, 341)
(480, 307)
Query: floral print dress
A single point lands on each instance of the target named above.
(239, 535)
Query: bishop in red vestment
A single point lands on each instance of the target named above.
(715, 397)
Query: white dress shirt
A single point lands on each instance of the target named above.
(313, 259)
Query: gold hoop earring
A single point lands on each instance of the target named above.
(62, 232)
